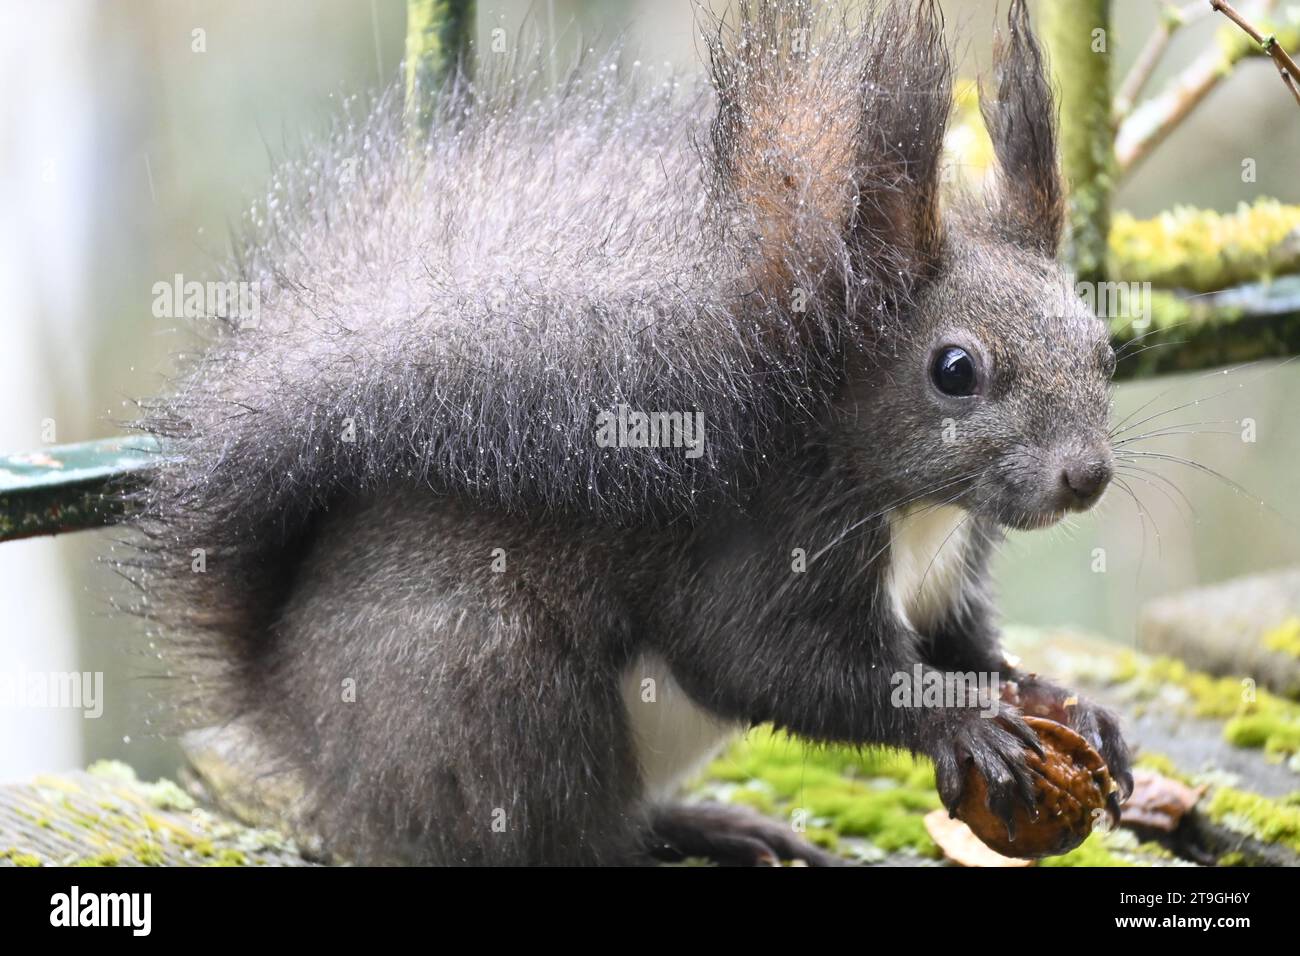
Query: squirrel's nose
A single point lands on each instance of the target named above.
(1085, 481)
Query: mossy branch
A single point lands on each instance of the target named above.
(1197, 250)
(1078, 39)
(1191, 333)
(1222, 313)
(439, 34)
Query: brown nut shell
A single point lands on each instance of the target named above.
(1071, 787)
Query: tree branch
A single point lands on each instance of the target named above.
(1150, 123)
(1200, 250)
(1286, 66)
(438, 38)
(1172, 19)
(1075, 34)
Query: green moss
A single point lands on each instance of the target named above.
(1275, 734)
(229, 857)
(1266, 820)
(1126, 668)
(1086, 143)
(821, 836)
(880, 795)
(166, 795)
(754, 797)
(1254, 717)
(148, 853)
(114, 770)
(107, 858)
(18, 858)
(1162, 765)
(163, 794)
(1155, 851)
(437, 33)
(1091, 852)
(1285, 638)
(1200, 250)
(1234, 858)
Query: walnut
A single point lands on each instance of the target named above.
(1071, 787)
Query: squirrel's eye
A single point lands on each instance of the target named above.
(954, 371)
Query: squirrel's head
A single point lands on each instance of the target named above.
(998, 375)
(994, 393)
(979, 377)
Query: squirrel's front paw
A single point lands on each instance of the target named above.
(995, 747)
(1037, 697)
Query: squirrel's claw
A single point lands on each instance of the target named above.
(1095, 724)
(996, 750)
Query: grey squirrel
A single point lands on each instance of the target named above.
(481, 635)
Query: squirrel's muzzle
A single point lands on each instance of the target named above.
(1083, 481)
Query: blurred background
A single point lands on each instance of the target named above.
(133, 136)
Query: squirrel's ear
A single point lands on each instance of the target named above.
(1021, 119)
(906, 101)
(829, 137)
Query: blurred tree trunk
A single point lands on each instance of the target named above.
(1077, 34)
(438, 38)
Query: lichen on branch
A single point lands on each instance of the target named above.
(1198, 250)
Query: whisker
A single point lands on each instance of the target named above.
(1206, 469)
(900, 503)
(1149, 477)
(1143, 517)
(1152, 331)
(1146, 348)
(1184, 429)
(1118, 430)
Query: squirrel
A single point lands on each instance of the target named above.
(617, 417)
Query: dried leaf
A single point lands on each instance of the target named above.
(1158, 803)
(962, 846)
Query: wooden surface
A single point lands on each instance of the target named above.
(106, 817)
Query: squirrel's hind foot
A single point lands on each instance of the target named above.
(729, 836)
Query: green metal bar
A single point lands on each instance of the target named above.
(70, 487)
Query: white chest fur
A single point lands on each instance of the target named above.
(927, 551)
(674, 736)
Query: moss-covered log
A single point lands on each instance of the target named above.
(108, 817)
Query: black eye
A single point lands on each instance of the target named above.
(953, 371)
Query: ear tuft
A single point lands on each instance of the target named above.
(785, 133)
(1021, 119)
(907, 100)
(829, 135)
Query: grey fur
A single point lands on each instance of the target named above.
(470, 309)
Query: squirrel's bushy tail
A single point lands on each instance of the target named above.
(457, 315)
